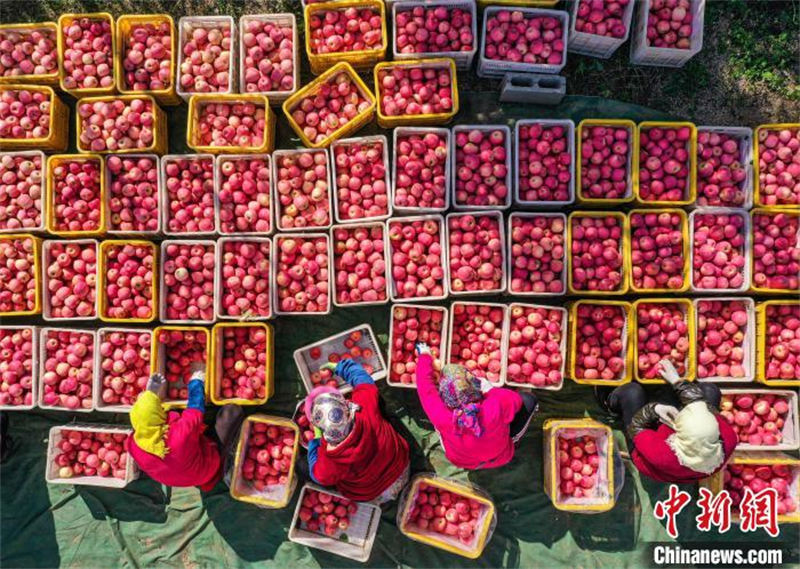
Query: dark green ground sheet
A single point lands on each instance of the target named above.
(149, 525)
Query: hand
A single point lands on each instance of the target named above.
(422, 348)
(157, 384)
(666, 413)
(317, 433)
(198, 371)
(485, 385)
(329, 366)
(668, 372)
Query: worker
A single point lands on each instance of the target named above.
(668, 444)
(478, 424)
(355, 450)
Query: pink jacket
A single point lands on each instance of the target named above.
(494, 447)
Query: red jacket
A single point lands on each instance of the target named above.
(654, 457)
(371, 457)
(192, 460)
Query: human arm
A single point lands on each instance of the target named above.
(313, 451)
(321, 470)
(350, 371)
(429, 398)
(196, 387)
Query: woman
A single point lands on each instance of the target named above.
(669, 445)
(477, 423)
(171, 447)
(355, 450)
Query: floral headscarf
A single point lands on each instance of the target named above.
(329, 411)
(461, 392)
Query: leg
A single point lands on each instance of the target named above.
(626, 400)
(226, 427)
(522, 419)
(712, 394)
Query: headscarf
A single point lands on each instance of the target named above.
(461, 392)
(328, 410)
(696, 440)
(149, 421)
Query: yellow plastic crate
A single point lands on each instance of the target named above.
(761, 344)
(157, 355)
(692, 197)
(523, 3)
(216, 356)
(756, 183)
(691, 360)
(103, 299)
(626, 339)
(47, 78)
(767, 211)
(429, 119)
(50, 217)
(196, 102)
(633, 160)
(166, 96)
(37, 274)
(56, 139)
(160, 141)
(687, 264)
(359, 121)
(66, 19)
(360, 60)
(625, 246)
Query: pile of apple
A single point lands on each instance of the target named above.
(70, 279)
(129, 281)
(147, 57)
(354, 347)
(578, 463)
(599, 342)
(189, 183)
(412, 90)
(758, 419)
(757, 477)
(601, 18)
(446, 513)
(341, 31)
(269, 455)
(664, 162)
(720, 174)
(88, 53)
(669, 24)
(361, 180)
(605, 151)
(482, 167)
(535, 40)
(783, 341)
(779, 166)
(421, 170)
(244, 279)
(302, 274)
(268, 56)
(718, 255)
(18, 276)
(721, 332)
(243, 361)
(434, 29)
(359, 264)
(205, 63)
(417, 258)
(133, 194)
(28, 52)
(24, 114)
(222, 125)
(16, 366)
(89, 453)
(244, 195)
(412, 324)
(477, 339)
(597, 253)
(537, 254)
(124, 365)
(21, 191)
(68, 369)
(182, 349)
(475, 249)
(657, 259)
(662, 332)
(325, 513)
(188, 292)
(302, 189)
(118, 124)
(306, 430)
(77, 201)
(534, 346)
(776, 251)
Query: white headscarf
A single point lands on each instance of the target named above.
(696, 440)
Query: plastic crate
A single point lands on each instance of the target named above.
(56, 139)
(307, 365)
(27, 79)
(42, 355)
(102, 276)
(31, 155)
(503, 339)
(508, 163)
(643, 54)
(756, 183)
(356, 123)
(216, 359)
(689, 198)
(164, 210)
(596, 45)
(34, 372)
(220, 287)
(160, 141)
(442, 346)
(354, 543)
(50, 201)
(748, 343)
(498, 217)
(751, 247)
(276, 307)
(63, 21)
(333, 268)
(632, 166)
(159, 190)
(624, 247)
(686, 248)
(510, 255)
(497, 68)
(37, 272)
(158, 356)
(387, 121)
(691, 357)
(745, 136)
(626, 337)
(761, 345)
(46, 294)
(463, 59)
(283, 19)
(404, 131)
(562, 344)
(51, 472)
(163, 289)
(378, 139)
(97, 380)
(276, 160)
(271, 497)
(185, 27)
(747, 249)
(574, 170)
(218, 182)
(196, 102)
(126, 23)
(525, 3)
(393, 293)
(791, 426)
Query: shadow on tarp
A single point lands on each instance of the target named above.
(146, 501)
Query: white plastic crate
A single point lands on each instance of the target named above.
(218, 286)
(332, 344)
(35, 358)
(164, 203)
(354, 543)
(97, 380)
(42, 191)
(393, 296)
(562, 346)
(284, 19)
(791, 425)
(368, 140)
(570, 125)
(273, 286)
(42, 357)
(455, 166)
(498, 68)
(642, 54)
(510, 257)
(114, 233)
(463, 59)
(51, 472)
(745, 136)
(593, 44)
(162, 289)
(748, 233)
(443, 346)
(185, 26)
(333, 270)
(498, 217)
(422, 130)
(278, 208)
(748, 345)
(47, 260)
(218, 160)
(503, 339)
